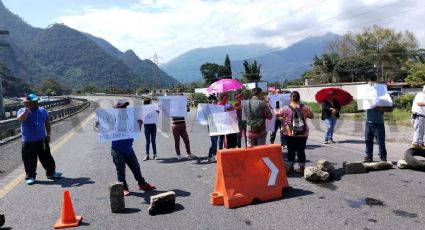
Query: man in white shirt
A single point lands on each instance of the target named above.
(418, 119)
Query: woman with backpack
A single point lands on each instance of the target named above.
(295, 130)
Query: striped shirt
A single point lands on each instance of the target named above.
(178, 120)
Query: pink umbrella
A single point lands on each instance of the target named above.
(224, 85)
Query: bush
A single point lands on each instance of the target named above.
(404, 102)
(350, 108)
(314, 106)
(198, 98)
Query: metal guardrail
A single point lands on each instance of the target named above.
(11, 127)
(11, 109)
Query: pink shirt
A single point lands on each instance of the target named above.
(286, 114)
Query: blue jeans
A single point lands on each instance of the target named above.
(330, 127)
(213, 147)
(120, 160)
(377, 131)
(150, 135)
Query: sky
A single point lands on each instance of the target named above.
(172, 27)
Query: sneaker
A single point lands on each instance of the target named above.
(367, 160)
(331, 141)
(179, 157)
(155, 157)
(326, 142)
(55, 175)
(147, 187)
(383, 158)
(146, 158)
(191, 156)
(211, 159)
(126, 192)
(302, 170)
(30, 181)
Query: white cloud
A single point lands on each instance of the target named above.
(172, 27)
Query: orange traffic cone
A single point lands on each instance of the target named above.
(68, 218)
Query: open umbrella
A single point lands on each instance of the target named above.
(342, 96)
(224, 85)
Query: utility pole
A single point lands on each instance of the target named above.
(2, 32)
(155, 59)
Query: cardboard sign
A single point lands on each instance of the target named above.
(370, 96)
(204, 110)
(223, 123)
(173, 106)
(149, 113)
(117, 124)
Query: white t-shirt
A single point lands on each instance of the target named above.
(420, 97)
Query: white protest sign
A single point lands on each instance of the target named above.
(270, 124)
(173, 106)
(372, 95)
(204, 110)
(117, 124)
(149, 113)
(283, 99)
(420, 97)
(223, 123)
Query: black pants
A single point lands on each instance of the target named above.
(30, 152)
(277, 125)
(296, 145)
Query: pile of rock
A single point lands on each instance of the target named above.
(324, 171)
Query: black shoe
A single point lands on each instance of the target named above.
(367, 160)
(383, 158)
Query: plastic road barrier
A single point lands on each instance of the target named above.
(246, 174)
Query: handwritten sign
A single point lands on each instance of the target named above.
(283, 99)
(370, 96)
(117, 124)
(149, 113)
(173, 106)
(223, 123)
(270, 124)
(204, 110)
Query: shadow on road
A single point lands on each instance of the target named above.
(66, 182)
(129, 211)
(313, 146)
(147, 195)
(295, 192)
(351, 142)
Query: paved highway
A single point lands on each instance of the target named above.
(391, 199)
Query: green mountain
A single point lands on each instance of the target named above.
(71, 57)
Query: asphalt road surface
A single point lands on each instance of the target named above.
(390, 199)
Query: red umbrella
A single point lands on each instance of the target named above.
(342, 96)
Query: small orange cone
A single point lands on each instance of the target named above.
(68, 218)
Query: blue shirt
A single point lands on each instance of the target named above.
(33, 128)
(123, 146)
(374, 116)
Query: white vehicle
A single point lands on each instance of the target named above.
(44, 98)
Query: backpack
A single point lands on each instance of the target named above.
(298, 121)
(255, 121)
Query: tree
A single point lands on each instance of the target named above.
(51, 87)
(227, 71)
(251, 71)
(212, 72)
(417, 75)
(326, 67)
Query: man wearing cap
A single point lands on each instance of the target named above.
(123, 154)
(418, 119)
(36, 130)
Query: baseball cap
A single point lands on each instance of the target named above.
(32, 97)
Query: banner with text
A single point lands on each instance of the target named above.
(149, 113)
(117, 124)
(173, 106)
(223, 123)
(204, 110)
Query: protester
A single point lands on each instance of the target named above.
(277, 125)
(179, 130)
(150, 135)
(224, 99)
(330, 114)
(213, 147)
(36, 131)
(375, 128)
(257, 111)
(418, 119)
(296, 130)
(241, 123)
(123, 154)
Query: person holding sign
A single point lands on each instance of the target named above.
(418, 119)
(179, 130)
(375, 129)
(330, 113)
(232, 138)
(35, 127)
(257, 111)
(123, 154)
(295, 128)
(150, 134)
(212, 99)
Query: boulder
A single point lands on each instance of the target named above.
(402, 164)
(116, 196)
(354, 167)
(163, 202)
(314, 174)
(2, 220)
(380, 165)
(326, 166)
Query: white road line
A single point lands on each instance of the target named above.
(162, 133)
